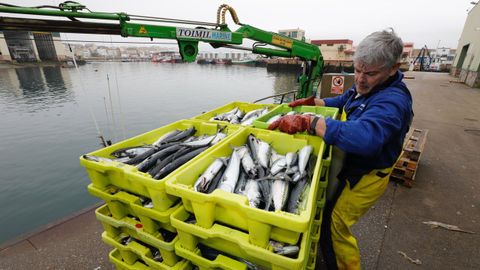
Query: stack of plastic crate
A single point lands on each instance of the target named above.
(136, 217)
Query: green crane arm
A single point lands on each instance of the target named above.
(218, 34)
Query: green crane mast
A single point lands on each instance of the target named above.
(216, 34)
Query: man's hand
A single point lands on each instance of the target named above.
(292, 124)
(310, 101)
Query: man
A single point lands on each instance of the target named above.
(378, 112)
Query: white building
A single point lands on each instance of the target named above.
(466, 65)
(298, 33)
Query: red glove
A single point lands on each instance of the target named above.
(310, 101)
(291, 124)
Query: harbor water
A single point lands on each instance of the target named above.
(49, 114)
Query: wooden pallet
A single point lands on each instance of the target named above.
(406, 167)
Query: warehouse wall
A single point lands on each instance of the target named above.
(466, 65)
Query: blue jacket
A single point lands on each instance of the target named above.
(373, 134)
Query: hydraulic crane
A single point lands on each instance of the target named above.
(216, 34)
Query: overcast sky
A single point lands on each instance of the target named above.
(424, 22)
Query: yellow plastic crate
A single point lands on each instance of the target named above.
(221, 262)
(122, 204)
(244, 106)
(312, 258)
(128, 178)
(284, 108)
(130, 226)
(233, 209)
(135, 251)
(235, 243)
(116, 258)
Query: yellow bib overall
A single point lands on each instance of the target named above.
(352, 203)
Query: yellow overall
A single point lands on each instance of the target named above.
(351, 204)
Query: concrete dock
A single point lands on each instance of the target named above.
(446, 189)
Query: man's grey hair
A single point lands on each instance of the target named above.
(379, 48)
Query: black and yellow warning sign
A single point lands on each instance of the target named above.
(142, 30)
(282, 41)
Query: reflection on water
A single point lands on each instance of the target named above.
(285, 81)
(34, 88)
(46, 123)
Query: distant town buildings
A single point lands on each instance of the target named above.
(298, 33)
(335, 50)
(466, 65)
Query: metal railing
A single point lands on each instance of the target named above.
(279, 95)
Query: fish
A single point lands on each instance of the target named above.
(252, 116)
(166, 136)
(181, 135)
(292, 170)
(156, 255)
(216, 180)
(199, 143)
(298, 193)
(290, 251)
(160, 165)
(147, 163)
(178, 162)
(274, 118)
(297, 176)
(232, 172)
(292, 113)
(130, 151)
(242, 181)
(273, 156)
(263, 153)
(303, 157)
(252, 143)
(292, 158)
(267, 196)
(280, 190)
(248, 164)
(278, 165)
(97, 158)
(203, 182)
(220, 136)
(252, 191)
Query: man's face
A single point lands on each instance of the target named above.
(369, 76)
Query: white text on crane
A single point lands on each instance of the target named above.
(203, 34)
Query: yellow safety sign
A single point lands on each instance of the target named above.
(282, 41)
(142, 30)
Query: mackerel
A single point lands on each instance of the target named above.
(292, 158)
(253, 145)
(267, 195)
(263, 153)
(166, 136)
(248, 164)
(203, 182)
(230, 178)
(160, 164)
(303, 157)
(299, 192)
(242, 181)
(278, 165)
(178, 162)
(280, 190)
(216, 180)
(130, 151)
(252, 191)
(146, 164)
(181, 135)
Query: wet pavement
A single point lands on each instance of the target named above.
(446, 189)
